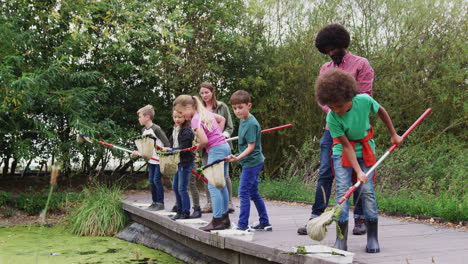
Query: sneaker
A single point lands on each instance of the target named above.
(156, 207)
(262, 227)
(174, 208)
(302, 230)
(247, 229)
(196, 212)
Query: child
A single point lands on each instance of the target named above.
(251, 159)
(209, 127)
(145, 117)
(182, 137)
(352, 135)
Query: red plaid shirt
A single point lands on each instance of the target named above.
(358, 67)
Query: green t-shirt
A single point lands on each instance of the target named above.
(250, 132)
(354, 124)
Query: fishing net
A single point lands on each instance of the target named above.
(168, 162)
(81, 138)
(145, 145)
(214, 173)
(317, 227)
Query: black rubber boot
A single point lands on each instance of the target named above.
(342, 243)
(196, 212)
(372, 238)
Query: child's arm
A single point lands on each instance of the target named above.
(245, 153)
(161, 135)
(348, 151)
(221, 121)
(395, 138)
(202, 137)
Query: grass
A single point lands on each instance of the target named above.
(99, 213)
(405, 202)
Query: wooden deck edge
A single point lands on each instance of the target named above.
(223, 249)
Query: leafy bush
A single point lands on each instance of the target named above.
(34, 203)
(99, 212)
(4, 198)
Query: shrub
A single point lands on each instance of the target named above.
(99, 213)
(34, 203)
(4, 198)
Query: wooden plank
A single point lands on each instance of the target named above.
(400, 240)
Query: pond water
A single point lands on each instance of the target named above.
(44, 245)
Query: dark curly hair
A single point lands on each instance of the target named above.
(334, 35)
(335, 86)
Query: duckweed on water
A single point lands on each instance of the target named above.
(42, 245)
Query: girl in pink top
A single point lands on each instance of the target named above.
(209, 127)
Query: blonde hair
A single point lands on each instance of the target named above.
(146, 110)
(195, 102)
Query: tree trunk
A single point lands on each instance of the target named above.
(6, 167)
(27, 167)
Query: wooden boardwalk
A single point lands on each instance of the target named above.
(400, 241)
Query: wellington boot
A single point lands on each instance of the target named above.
(372, 237)
(226, 221)
(215, 224)
(342, 243)
(196, 212)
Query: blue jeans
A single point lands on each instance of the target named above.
(154, 178)
(180, 186)
(325, 180)
(248, 190)
(219, 198)
(343, 182)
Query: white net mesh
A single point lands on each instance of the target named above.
(168, 163)
(215, 175)
(145, 147)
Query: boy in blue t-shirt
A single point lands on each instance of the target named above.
(353, 146)
(251, 159)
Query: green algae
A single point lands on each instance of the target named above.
(55, 245)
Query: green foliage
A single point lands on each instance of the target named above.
(4, 198)
(7, 212)
(99, 212)
(34, 203)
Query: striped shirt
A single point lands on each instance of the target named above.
(358, 67)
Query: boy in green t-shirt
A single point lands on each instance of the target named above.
(352, 135)
(251, 159)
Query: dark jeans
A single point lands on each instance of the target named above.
(156, 186)
(325, 180)
(248, 190)
(180, 187)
